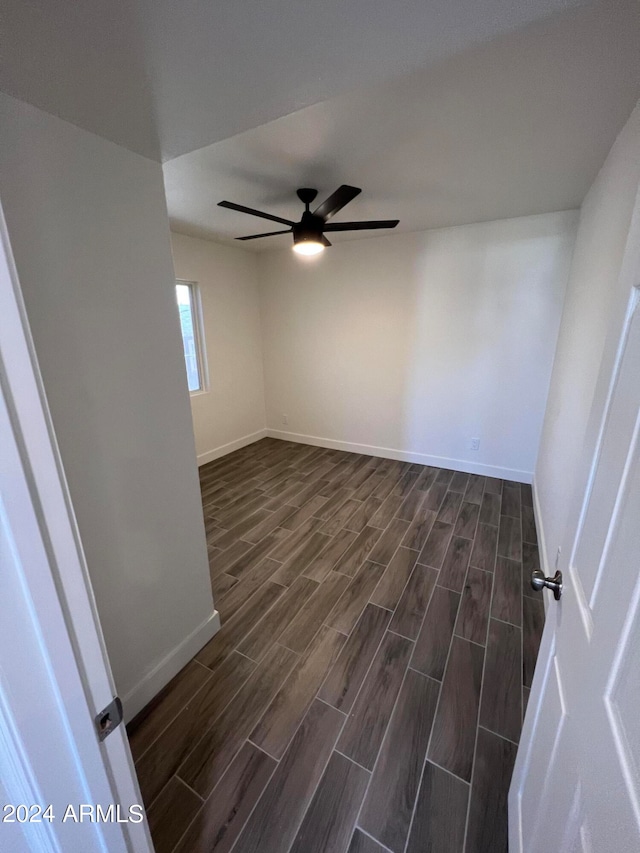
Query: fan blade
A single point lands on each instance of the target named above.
(361, 226)
(324, 241)
(253, 212)
(268, 234)
(343, 195)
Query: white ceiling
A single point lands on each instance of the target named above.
(170, 76)
(516, 126)
(443, 111)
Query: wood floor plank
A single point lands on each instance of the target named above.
(434, 639)
(277, 514)
(526, 494)
(230, 602)
(257, 553)
(323, 563)
(388, 807)
(410, 505)
(285, 549)
(335, 501)
(467, 520)
(234, 631)
(305, 511)
(532, 626)
(309, 494)
(507, 591)
(488, 827)
(239, 509)
(273, 520)
(390, 505)
(441, 813)
(281, 719)
(475, 489)
(459, 482)
(501, 710)
(450, 507)
(220, 584)
(474, 607)
(228, 537)
(216, 749)
(419, 529)
(510, 500)
(436, 545)
(329, 820)
(171, 814)
(361, 843)
(405, 484)
(483, 553)
(435, 495)
(221, 561)
(296, 565)
(143, 730)
(365, 728)
(412, 606)
(368, 487)
(393, 581)
(389, 541)
(346, 676)
(528, 525)
(276, 819)
(275, 622)
(353, 600)
(340, 517)
(456, 562)
(454, 730)
(313, 612)
(363, 515)
(355, 555)
(493, 485)
(157, 765)
(384, 489)
(225, 812)
(510, 538)
(490, 509)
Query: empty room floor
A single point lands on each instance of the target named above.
(367, 688)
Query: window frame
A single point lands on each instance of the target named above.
(198, 334)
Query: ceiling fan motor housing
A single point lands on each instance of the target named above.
(309, 229)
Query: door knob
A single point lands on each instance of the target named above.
(538, 582)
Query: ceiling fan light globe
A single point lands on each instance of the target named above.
(308, 247)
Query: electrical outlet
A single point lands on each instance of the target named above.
(285, 420)
(474, 444)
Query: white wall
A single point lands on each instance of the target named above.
(88, 227)
(231, 412)
(591, 322)
(412, 344)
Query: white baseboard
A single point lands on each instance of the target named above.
(152, 683)
(217, 452)
(406, 456)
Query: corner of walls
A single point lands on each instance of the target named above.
(405, 456)
(153, 681)
(229, 447)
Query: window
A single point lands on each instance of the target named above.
(188, 307)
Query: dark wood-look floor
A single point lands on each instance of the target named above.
(366, 690)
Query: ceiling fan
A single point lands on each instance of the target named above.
(309, 234)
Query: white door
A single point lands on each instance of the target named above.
(576, 782)
(54, 675)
